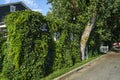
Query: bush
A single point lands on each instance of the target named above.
(67, 51)
(33, 53)
(2, 43)
(27, 46)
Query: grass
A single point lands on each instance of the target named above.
(63, 71)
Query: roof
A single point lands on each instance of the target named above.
(14, 4)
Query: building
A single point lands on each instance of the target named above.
(5, 9)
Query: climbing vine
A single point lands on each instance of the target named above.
(37, 46)
(66, 40)
(2, 42)
(27, 46)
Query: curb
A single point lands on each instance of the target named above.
(62, 77)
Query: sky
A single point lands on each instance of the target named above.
(35, 5)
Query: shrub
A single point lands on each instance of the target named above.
(2, 43)
(27, 46)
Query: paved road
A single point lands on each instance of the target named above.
(107, 68)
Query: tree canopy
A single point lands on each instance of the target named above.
(106, 26)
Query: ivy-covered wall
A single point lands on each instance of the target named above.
(27, 46)
(2, 42)
(37, 46)
(67, 51)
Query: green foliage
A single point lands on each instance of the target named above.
(2, 43)
(104, 29)
(31, 54)
(79, 12)
(70, 10)
(29, 49)
(65, 70)
(27, 46)
(67, 51)
(107, 24)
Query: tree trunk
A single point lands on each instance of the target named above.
(86, 34)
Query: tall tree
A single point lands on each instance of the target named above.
(86, 13)
(87, 31)
(75, 12)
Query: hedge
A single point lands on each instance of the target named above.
(37, 46)
(2, 42)
(27, 46)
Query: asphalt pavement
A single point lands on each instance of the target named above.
(107, 68)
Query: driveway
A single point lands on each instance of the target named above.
(107, 68)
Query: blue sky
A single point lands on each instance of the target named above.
(36, 5)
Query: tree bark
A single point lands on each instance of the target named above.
(86, 35)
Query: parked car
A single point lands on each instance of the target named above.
(116, 46)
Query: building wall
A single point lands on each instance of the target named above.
(5, 10)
